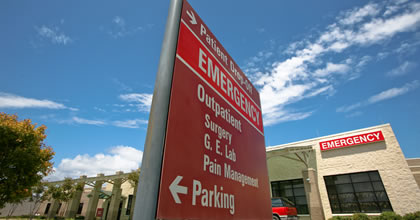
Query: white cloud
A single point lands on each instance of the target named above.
(349, 107)
(119, 28)
(135, 123)
(358, 14)
(14, 101)
(131, 123)
(119, 158)
(305, 74)
(332, 68)
(143, 100)
(119, 21)
(53, 34)
(382, 96)
(87, 121)
(380, 29)
(402, 69)
(394, 92)
(282, 115)
(354, 114)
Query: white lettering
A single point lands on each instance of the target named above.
(376, 135)
(201, 60)
(213, 197)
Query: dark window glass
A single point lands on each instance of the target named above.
(344, 188)
(299, 192)
(302, 209)
(291, 199)
(335, 207)
(359, 177)
(357, 192)
(381, 196)
(47, 208)
(342, 179)
(385, 206)
(378, 186)
(275, 189)
(331, 189)
(363, 187)
(58, 210)
(333, 198)
(300, 200)
(288, 192)
(294, 191)
(79, 210)
(374, 176)
(349, 207)
(297, 183)
(346, 197)
(129, 203)
(369, 206)
(366, 197)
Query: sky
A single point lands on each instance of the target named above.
(86, 70)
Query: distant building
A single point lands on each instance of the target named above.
(357, 171)
(103, 197)
(352, 172)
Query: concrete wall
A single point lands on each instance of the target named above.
(385, 156)
(414, 165)
(127, 190)
(84, 200)
(21, 209)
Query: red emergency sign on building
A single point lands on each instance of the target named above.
(351, 141)
(99, 212)
(214, 164)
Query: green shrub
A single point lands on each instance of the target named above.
(80, 217)
(412, 216)
(360, 216)
(389, 216)
(341, 218)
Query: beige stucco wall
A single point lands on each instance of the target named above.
(385, 156)
(414, 165)
(127, 190)
(84, 200)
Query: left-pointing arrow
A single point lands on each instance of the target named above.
(175, 189)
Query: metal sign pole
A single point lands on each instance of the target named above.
(149, 180)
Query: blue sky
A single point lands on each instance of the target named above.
(86, 69)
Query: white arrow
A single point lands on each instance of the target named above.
(175, 189)
(191, 14)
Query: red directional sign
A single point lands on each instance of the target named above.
(214, 164)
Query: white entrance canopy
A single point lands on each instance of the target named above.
(302, 153)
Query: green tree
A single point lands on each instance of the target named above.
(39, 195)
(63, 192)
(24, 158)
(133, 178)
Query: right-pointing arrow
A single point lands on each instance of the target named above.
(175, 189)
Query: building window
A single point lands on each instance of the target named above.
(79, 210)
(357, 192)
(294, 191)
(58, 210)
(129, 203)
(47, 208)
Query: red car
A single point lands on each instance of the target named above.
(283, 209)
